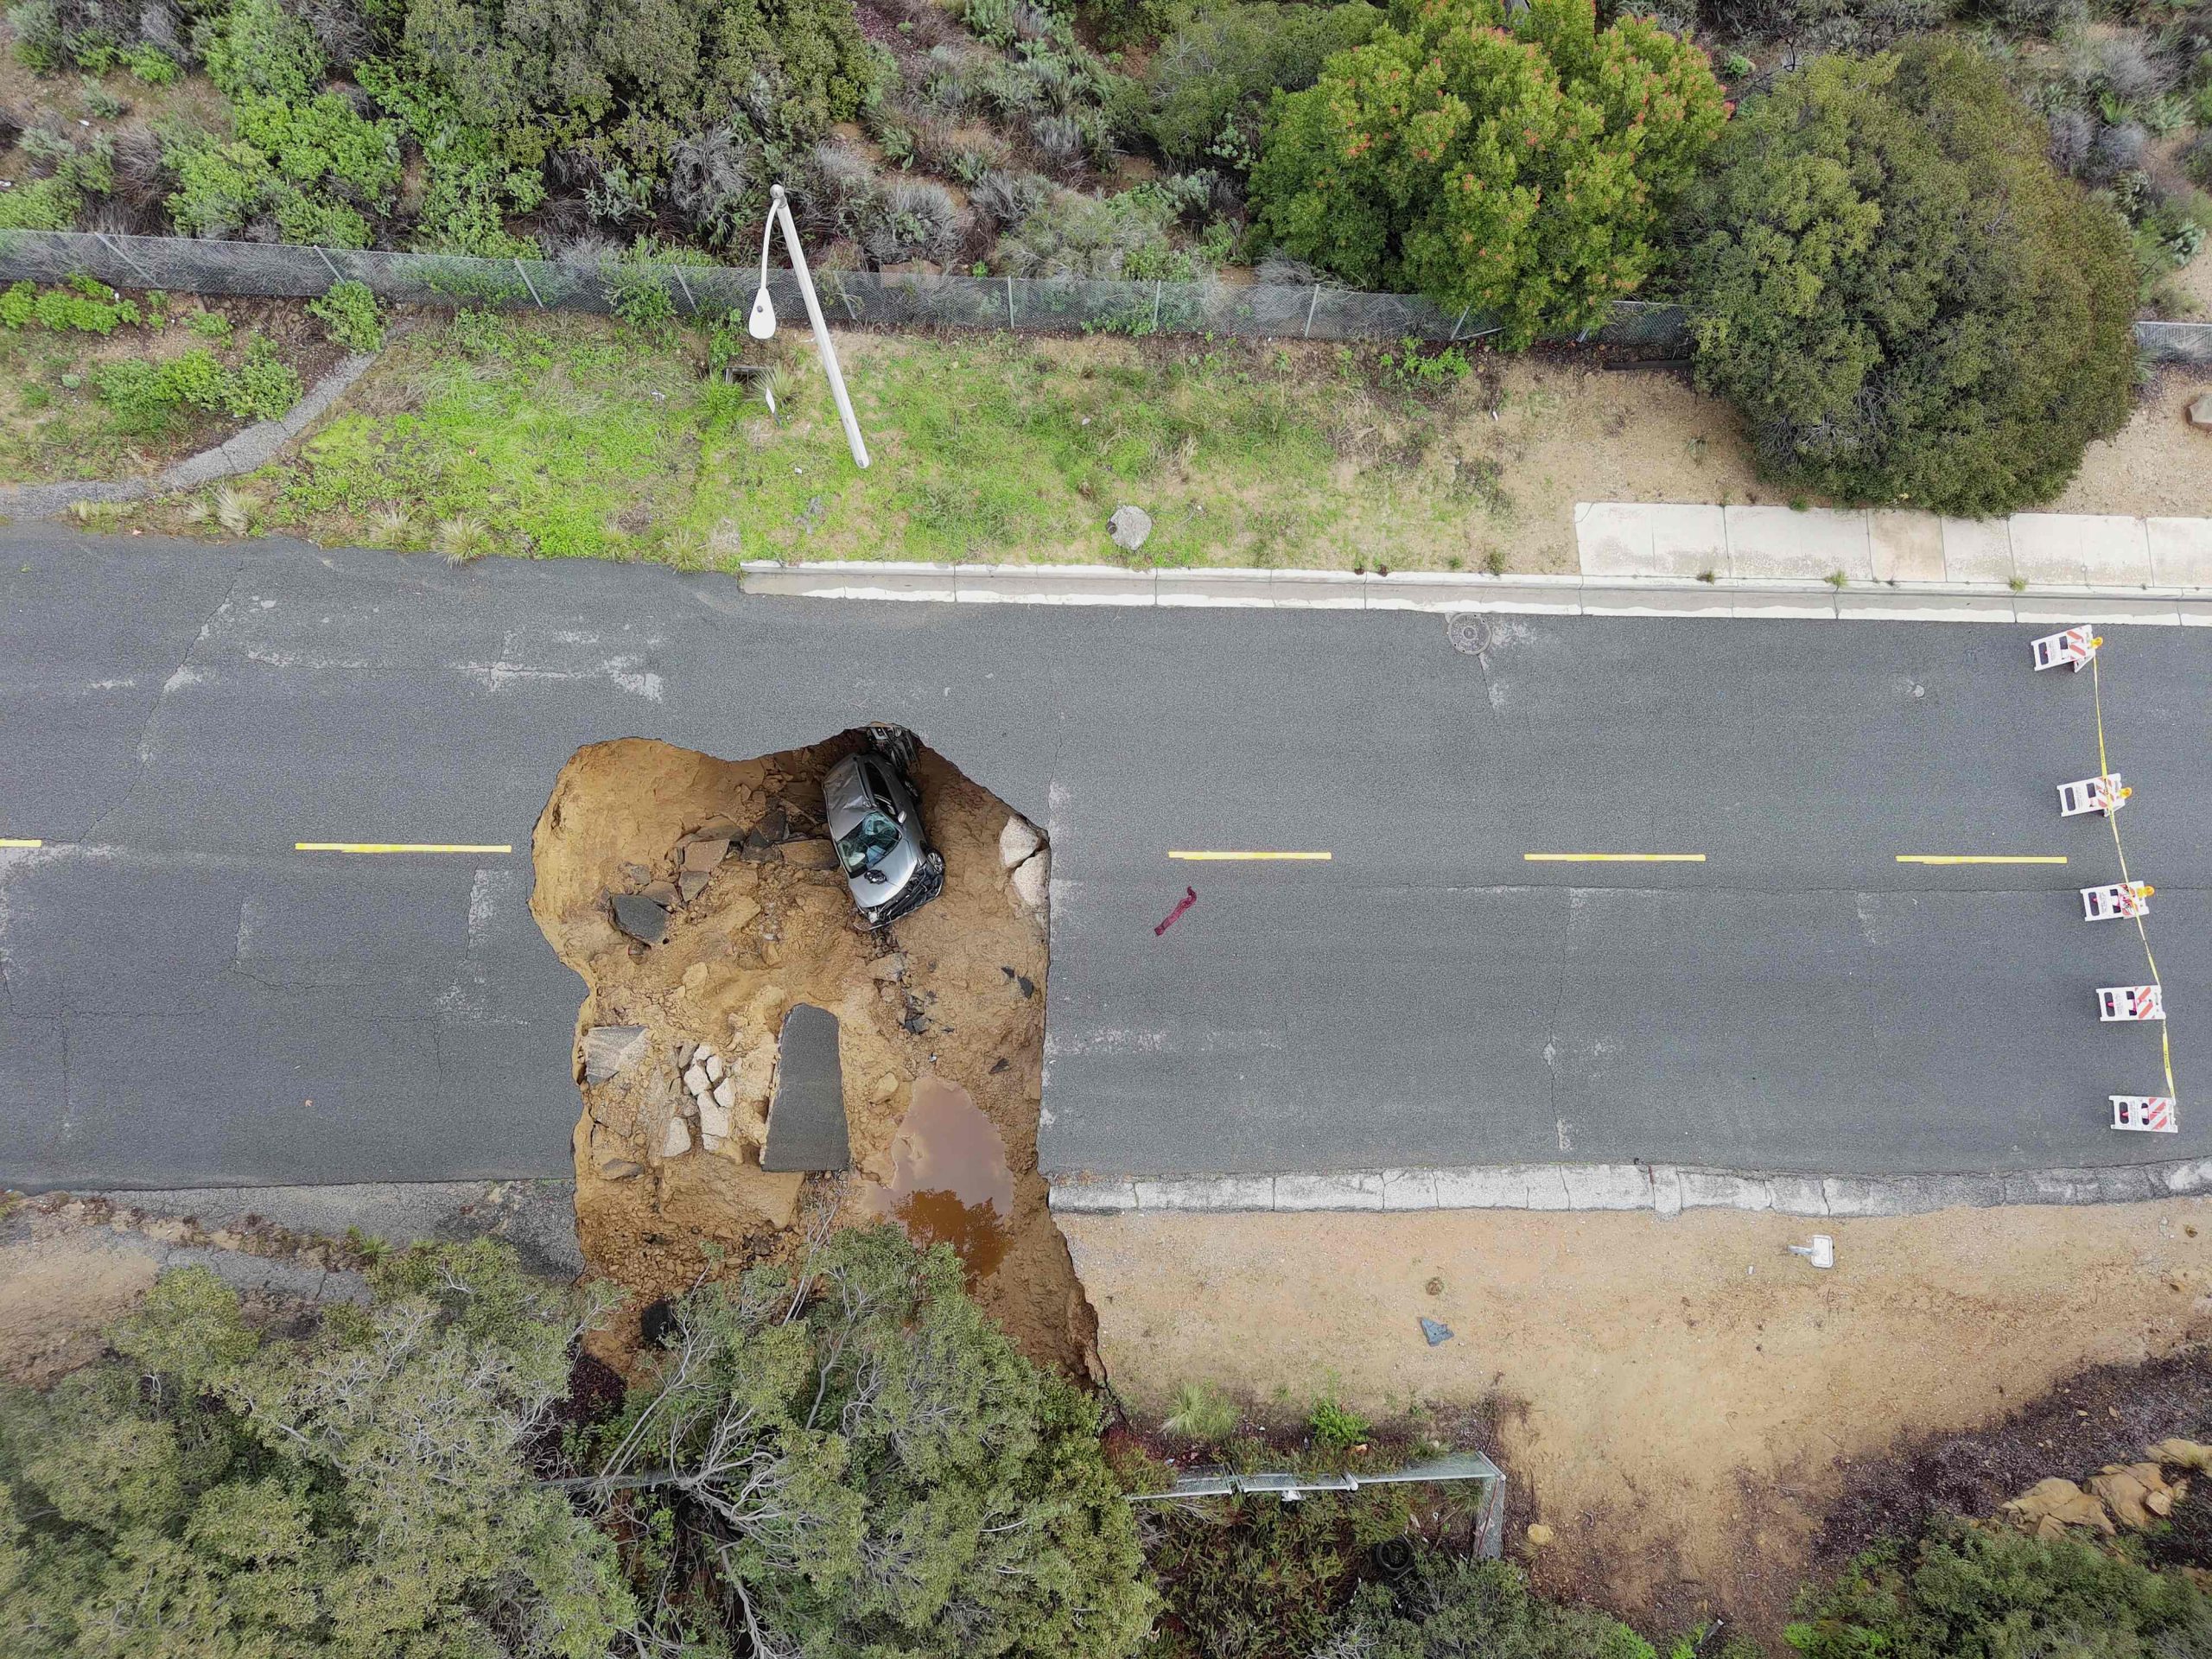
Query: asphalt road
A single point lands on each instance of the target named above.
(185, 1000)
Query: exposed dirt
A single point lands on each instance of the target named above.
(61, 1286)
(2159, 466)
(954, 992)
(1681, 1401)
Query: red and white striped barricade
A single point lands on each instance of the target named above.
(2106, 795)
(2117, 900)
(2072, 649)
(2152, 1113)
(2130, 1002)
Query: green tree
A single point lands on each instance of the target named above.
(1211, 77)
(1519, 168)
(854, 1460)
(1971, 1593)
(1904, 299)
(362, 1491)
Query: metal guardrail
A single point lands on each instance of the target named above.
(1292, 1487)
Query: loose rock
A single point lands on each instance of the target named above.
(1031, 882)
(678, 1140)
(1017, 840)
(809, 854)
(713, 1062)
(1540, 1535)
(2200, 412)
(1128, 528)
(696, 1079)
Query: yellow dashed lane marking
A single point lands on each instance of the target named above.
(1978, 858)
(396, 847)
(1614, 858)
(20, 840)
(1310, 858)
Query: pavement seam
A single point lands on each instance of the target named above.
(1665, 1189)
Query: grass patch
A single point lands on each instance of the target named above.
(574, 436)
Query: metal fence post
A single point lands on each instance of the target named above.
(1458, 326)
(1158, 289)
(108, 243)
(1009, 301)
(686, 287)
(528, 287)
(1311, 301)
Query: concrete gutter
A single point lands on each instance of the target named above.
(243, 452)
(1446, 592)
(1664, 1189)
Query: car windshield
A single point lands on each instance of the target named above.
(864, 848)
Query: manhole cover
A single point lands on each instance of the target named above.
(1467, 631)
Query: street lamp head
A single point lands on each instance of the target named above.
(761, 324)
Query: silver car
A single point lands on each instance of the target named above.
(874, 816)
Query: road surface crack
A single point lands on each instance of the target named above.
(176, 680)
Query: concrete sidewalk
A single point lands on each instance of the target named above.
(2029, 551)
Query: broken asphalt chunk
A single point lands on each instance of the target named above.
(640, 918)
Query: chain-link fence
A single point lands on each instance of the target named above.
(187, 265)
(1055, 305)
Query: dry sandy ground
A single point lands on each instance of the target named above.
(2159, 465)
(954, 992)
(61, 1286)
(1677, 1399)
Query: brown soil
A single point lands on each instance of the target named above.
(1681, 1401)
(61, 1286)
(954, 992)
(2159, 466)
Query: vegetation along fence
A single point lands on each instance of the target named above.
(1047, 305)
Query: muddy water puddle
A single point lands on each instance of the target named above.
(949, 1182)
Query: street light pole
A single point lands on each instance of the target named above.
(761, 324)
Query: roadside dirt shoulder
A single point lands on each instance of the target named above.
(1680, 1401)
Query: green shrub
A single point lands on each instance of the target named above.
(223, 188)
(1203, 1413)
(1966, 1590)
(1333, 1427)
(80, 305)
(1516, 167)
(1449, 1606)
(49, 204)
(149, 63)
(1214, 73)
(363, 1490)
(257, 49)
(210, 325)
(1885, 336)
(1258, 1576)
(144, 398)
(349, 315)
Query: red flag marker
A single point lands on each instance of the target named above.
(1190, 898)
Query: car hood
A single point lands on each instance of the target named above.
(845, 802)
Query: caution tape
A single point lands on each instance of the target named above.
(2112, 818)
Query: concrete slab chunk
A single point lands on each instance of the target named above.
(1355, 1191)
(1614, 538)
(1687, 540)
(1224, 1192)
(609, 1050)
(1905, 546)
(1765, 542)
(2079, 549)
(1978, 549)
(806, 1124)
(2181, 550)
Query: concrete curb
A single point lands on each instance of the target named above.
(1664, 1189)
(242, 451)
(1435, 592)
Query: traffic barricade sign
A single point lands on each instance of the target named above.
(2116, 899)
(2106, 795)
(2152, 1113)
(2074, 648)
(2130, 1002)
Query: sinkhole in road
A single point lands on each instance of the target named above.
(939, 1034)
